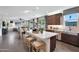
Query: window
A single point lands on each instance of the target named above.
(30, 24)
(38, 23)
(71, 19)
(42, 22)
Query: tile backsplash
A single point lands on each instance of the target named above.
(73, 28)
(51, 27)
(61, 27)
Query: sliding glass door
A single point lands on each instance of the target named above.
(42, 22)
(37, 23)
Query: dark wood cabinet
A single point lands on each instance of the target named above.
(52, 43)
(78, 39)
(53, 19)
(71, 39)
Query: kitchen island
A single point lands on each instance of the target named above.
(49, 38)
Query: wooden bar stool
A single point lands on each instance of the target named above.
(25, 40)
(26, 36)
(28, 42)
(37, 46)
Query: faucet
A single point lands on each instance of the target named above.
(70, 28)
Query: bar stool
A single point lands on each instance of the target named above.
(37, 46)
(25, 36)
(28, 42)
(25, 40)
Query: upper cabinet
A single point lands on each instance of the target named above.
(53, 19)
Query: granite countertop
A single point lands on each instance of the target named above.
(67, 31)
(44, 35)
(71, 32)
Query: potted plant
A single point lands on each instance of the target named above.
(41, 30)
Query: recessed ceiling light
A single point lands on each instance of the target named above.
(26, 11)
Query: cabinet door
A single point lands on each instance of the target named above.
(65, 37)
(72, 39)
(49, 20)
(52, 43)
(57, 20)
(53, 19)
(78, 39)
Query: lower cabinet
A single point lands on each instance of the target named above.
(71, 39)
(52, 43)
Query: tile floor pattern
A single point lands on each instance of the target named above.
(11, 43)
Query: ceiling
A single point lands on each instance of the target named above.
(28, 12)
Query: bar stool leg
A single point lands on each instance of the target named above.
(29, 47)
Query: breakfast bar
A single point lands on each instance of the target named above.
(49, 38)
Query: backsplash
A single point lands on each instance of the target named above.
(61, 27)
(51, 27)
(73, 28)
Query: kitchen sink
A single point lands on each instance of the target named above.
(71, 32)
